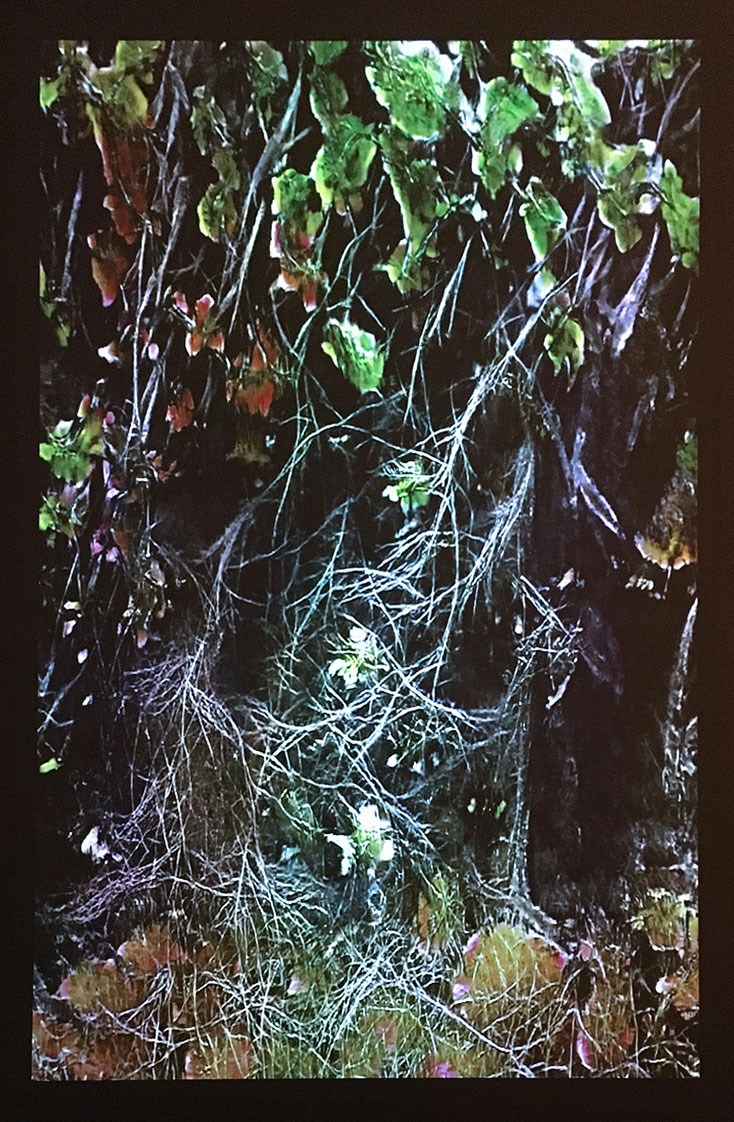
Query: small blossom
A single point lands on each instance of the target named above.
(460, 990)
(297, 985)
(471, 947)
(440, 1069)
(109, 353)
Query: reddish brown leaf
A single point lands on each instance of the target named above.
(109, 263)
(181, 413)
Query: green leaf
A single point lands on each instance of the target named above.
(208, 123)
(122, 96)
(268, 71)
(626, 168)
(545, 219)
(506, 107)
(681, 213)
(356, 353)
(130, 53)
(530, 56)
(296, 200)
(411, 487)
(343, 162)
(687, 455)
(614, 212)
(216, 212)
(328, 97)
(565, 346)
(417, 188)
(416, 87)
(325, 51)
(55, 517)
(608, 47)
(229, 174)
(49, 91)
(404, 269)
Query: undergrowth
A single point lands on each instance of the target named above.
(290, 891)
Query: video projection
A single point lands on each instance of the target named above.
(367, 662)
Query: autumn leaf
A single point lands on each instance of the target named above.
(109, 263)
(180, 413)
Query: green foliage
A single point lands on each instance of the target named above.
(621, 197)
(50, 309)
(411, 486)
(325, 51)
(404, 269)
(359, 658)
(342, 163)
(132, 54)
(545, 219)
(563, 72)
(664, 57)
(328, 96)
(54, 517)
(506, 107)
(267, 73)
(564, 343)
(416, 88)
(687, 455)
(469, 56)
(356, 353)
(531, 57)
(50, 88)
(70, 446)
(119, 84)
(682, 217)
(208, 123)
(294, 199)
(419, 192)
(216, 210)
(607, 48)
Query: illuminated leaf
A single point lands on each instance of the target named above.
(268, 71)
(343, 162)
(356, 353)
(326, 51)
(545, 219)
(328, 96)
(414, 83)
(49, 91)
(130, 53)
(180, 413)
(565, 345)
(417, 188)
(682, 217)
(109, 264)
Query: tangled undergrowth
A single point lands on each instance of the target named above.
(341, 539)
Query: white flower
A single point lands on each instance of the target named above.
(347, 848)
(369, 819)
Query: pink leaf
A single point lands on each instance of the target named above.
(584, 1052)
(203, 306)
